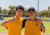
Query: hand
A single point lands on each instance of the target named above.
(40, 20)
(40, 26)
(7, 28)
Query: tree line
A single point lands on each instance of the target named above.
(11, 12)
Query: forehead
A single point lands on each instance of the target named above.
(31, 10)
(20, 10)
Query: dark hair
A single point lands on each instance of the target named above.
(31, 8)
(20, 7)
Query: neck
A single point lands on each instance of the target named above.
(18, 17)
(32, 18)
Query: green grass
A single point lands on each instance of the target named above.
(46, 24)
(47, 27)
(45, 18)
(3, 29)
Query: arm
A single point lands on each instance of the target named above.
(23, 24)
(6, 22)
(42, 28)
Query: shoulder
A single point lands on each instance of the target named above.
(38, 19)
(9, 18)
(26, 19)
(21, 18)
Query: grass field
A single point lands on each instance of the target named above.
(46, 24)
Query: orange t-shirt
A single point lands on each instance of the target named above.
(14, 28)
(32, 28)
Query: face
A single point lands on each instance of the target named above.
(31, 13)
(19, 12)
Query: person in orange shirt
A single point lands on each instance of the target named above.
(32, 25)
(14, 26)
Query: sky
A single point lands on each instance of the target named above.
(43, 4)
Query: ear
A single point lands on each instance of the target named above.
(15, 11)
(23, 12)
(27, 13)
(35, 12)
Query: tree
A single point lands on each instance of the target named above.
(5, 12)
(25, 12)
(44, 13)
(0, 9)
(12, 8)
(11, 11)
(48, 8)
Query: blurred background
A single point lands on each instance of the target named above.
(7, 11)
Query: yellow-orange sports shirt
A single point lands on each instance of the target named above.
(32, 27)
(14, 28)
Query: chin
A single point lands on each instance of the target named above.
(20, 15)
(31, 15)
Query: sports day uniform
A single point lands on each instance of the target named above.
(32, 27)
(14, 28)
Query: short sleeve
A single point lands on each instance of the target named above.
(9, 18)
